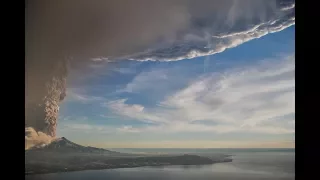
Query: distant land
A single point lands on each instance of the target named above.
(62, 155)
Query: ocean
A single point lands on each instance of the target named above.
(266, 164)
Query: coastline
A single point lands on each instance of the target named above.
(45, 167)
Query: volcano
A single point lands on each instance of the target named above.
(65, 145)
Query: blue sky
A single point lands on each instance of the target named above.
(241, 97)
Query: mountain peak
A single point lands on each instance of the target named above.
(64, 145)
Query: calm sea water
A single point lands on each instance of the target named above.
(247, 164)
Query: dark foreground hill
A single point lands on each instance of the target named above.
(63, 155)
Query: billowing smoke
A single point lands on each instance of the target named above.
(34, 138)
(60, 32)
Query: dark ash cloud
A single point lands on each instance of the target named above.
(69, 33)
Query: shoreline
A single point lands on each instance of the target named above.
(67, 165)
(120, 167)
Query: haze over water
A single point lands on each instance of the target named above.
(247, 164)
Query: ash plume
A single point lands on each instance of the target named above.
(34, 138)
(76, 31)
(43, 93)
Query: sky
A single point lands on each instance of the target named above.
(243, 97)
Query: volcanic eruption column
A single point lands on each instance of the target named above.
(42, 107)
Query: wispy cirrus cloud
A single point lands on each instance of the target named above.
(86, 127)
(257, 99)
(124, 70)
(74, 95)
(143, 82)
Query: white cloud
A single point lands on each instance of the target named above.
(73, 95)
(124, 70)
(86, 128)
(128, 129)
(288, 7)
(143, 81)
(259, 99)
(134, 111)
